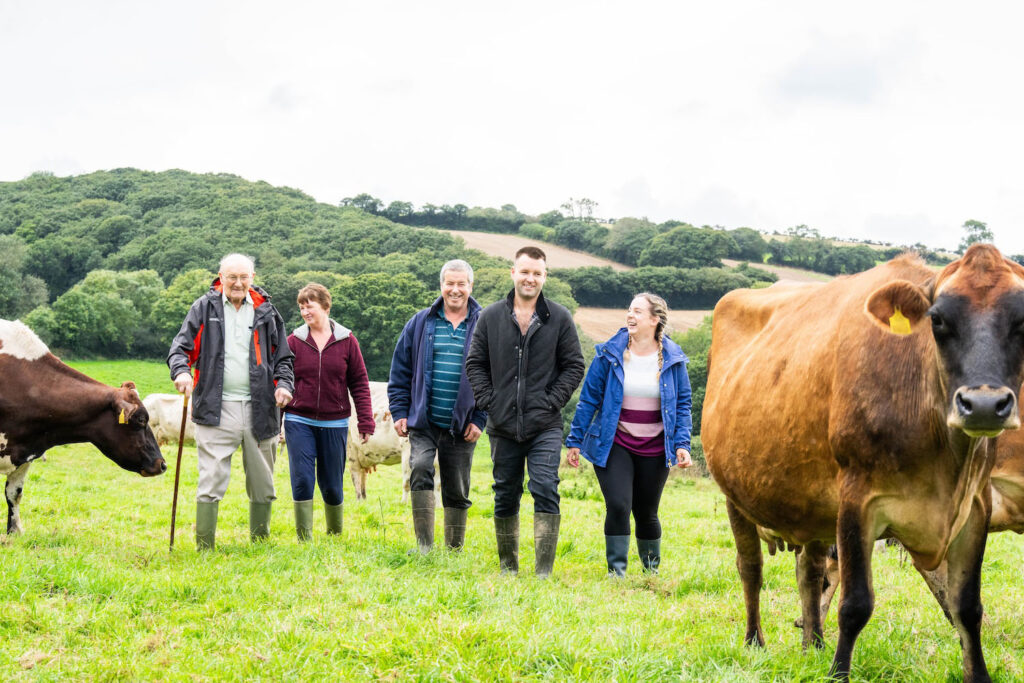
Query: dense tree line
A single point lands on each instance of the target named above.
(682, 288)
(639, 242)
(108, 263)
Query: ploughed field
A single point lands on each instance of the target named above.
(601, 323)
(91, 592)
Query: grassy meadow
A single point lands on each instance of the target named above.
(90, 591)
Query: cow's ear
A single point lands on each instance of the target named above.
(897, 306)
(123, 406)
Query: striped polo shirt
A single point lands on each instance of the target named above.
(641, 428)
(449, 346)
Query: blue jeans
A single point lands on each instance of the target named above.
(316, 454)
(454, 458)
(540, 456)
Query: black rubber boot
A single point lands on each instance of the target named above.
(506, 529)
(650, 553)
(616, 550)
(545, 542)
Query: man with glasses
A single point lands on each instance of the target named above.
(235, 341)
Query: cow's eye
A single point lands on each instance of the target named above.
(940, 326)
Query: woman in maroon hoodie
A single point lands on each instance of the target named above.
(328, 365)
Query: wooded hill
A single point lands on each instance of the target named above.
(107, 263)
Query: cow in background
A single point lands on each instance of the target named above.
(384, 447)
(863, 408)
(44, 403)
(165, 418)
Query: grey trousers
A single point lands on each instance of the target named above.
(217, 444)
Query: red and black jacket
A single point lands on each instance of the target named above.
(199, 348)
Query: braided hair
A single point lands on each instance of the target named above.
(659, 309)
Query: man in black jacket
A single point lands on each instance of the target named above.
(524, 363)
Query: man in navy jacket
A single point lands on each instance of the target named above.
(432, 403)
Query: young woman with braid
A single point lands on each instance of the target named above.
(633, 423)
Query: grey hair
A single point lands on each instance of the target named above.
(457, 265)
(237, 258)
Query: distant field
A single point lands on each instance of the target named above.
(784, 273)
(149, 376)
(506, 246)
(601, 323)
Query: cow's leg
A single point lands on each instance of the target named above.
(359, 482)
(15, 485)
(938, 583)
(437, 481)
(964, 560)
(858, 596)
(810, 569)
(829, 584)
(749, 562)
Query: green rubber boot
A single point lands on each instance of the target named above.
(206, 525)
(506, 529)
(545, 542)
(335, 521)
(423, 519)
(304, 519)
(259, 521)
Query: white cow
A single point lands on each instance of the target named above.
(165, 418)
(384, 447)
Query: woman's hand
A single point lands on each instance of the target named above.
(683, 458)
(572, 457)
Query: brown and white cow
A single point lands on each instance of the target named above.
(862, 408)
(45, 403)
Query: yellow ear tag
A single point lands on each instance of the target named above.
(120, 418)
(898, 323)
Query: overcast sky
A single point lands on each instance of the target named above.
(893, 121)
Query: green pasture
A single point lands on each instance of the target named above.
(91, 592)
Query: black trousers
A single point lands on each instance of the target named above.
(632, 483)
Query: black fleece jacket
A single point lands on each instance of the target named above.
(523, 381)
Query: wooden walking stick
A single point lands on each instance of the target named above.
(177, 467)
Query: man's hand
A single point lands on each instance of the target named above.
(402, 427)
(472, 433)
(363, 438)
(183, 384)
(572, 457)
(282, 396)
(683, 458)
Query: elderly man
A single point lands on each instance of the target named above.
(431, 402)
(235, 340)
(524, 363)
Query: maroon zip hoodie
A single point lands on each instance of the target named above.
(323, 379)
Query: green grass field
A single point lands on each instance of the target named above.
(90, 591)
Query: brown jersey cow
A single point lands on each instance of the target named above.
(863, 408)
(45, 403)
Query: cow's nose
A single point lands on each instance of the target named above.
(985, 409)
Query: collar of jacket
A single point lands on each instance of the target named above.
(258, 294)
(340, 331)
(542, 305)
(615, 347)
(471, 309)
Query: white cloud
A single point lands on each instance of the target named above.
(890, 121)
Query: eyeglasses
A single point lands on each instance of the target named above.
(236, 278)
